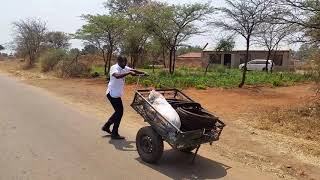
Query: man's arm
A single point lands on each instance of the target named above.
(122, 75)
(137, 71)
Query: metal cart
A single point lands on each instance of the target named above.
(149, 139)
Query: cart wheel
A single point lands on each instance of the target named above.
(149, 145)
(188, 149)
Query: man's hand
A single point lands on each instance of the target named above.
(132, 73)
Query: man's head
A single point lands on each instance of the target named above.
(122, 61)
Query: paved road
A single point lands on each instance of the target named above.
(42, 138)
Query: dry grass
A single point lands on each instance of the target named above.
(301, 122)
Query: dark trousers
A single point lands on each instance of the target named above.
(115, 119)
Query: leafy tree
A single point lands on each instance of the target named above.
(104, 32)
(89, 49)
(135, 35)
(29, 35)
(155, 50)
(124, 6)
(175, 24)
(1, 47)
(188, 49)
(225, 44)
(305, 51)
(57, 40)
(243, 17)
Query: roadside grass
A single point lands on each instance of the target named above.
(216, 77)
(299, 122)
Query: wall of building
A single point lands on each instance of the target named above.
(238, 57)
(188, 62)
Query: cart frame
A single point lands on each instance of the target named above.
(176, 138)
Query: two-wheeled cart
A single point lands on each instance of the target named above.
(149, 139)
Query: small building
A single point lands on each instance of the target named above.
(282, 58)
(192, 59)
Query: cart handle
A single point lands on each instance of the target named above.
(139, 76)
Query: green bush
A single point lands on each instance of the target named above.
(277, 83)
(50, 58)
(70, 67)
(147, 83)
(201, 86)
(220, 69)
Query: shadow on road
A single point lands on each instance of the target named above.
(123, 145)
(177, 165)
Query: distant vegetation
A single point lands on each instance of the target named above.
(216, 77)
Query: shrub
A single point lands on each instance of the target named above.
(201, 86)
(70, 67)
(220, 69)
(50, 58)
(147, 83)
(95, 74)
(277, 83)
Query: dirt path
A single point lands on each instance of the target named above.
(269, 152)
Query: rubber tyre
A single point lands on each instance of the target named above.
(156, 144)
(188, 149)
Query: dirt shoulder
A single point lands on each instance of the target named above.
(265, 150)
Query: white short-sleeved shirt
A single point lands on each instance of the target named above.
(116, 86)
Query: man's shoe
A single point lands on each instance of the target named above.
(117, 137)
(106, 129)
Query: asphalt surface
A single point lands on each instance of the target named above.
(43, 138)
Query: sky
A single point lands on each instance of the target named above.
(64, 15)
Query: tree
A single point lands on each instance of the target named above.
(225, 44)
(154, 48)
(305, 14)
(104, 32)
(135, 35)
(173, 25)
(29, 35)
(270, 35)
(57, 40)
(305, 51)
(300, 12)
(243, 17)
(89, 49)
(188, 49)
(124, 6)
(1, 47)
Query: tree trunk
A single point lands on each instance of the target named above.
(153, 65)
(105, 62)
(245, 64)
(31, 59)
(170, 61)
(164, 57)
(109, 58)
(131, 60)
(267, 62)
(205, 73)
(135, 59)
(174, 60)
(274, 58)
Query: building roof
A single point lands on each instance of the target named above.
(191, 55)
(251, 50)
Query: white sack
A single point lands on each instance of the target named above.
(160, 104)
